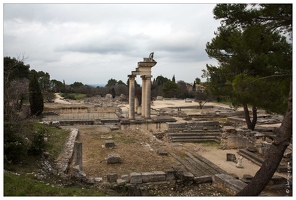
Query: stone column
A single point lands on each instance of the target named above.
(148, 97)
(131, 98)
(136, 104)
(143, 95)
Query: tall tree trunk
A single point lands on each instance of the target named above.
(274, 157)
(250, 124)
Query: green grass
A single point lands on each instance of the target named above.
(25, 184)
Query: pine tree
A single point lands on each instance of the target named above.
(36, 97)
(174, 79)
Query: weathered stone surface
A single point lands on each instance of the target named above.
(247, 178)
(231, 157)
(179, 174)
(162, 152)
(228, 183)
(112, 177)
(78, 173)
(158, 176)
(98, 179)
(188, 176)
(125, 177)
(203, 179)
(113, 159)
(64, 158)
(109, 144)
(121, 181)
(147, 177)
(135, 177)
(170, 174)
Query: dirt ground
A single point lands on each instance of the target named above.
(138, 150)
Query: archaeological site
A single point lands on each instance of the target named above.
(163, 146)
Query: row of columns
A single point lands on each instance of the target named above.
(146, 96)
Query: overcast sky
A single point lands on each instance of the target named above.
(91, 43)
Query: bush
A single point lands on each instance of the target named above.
(15, 145)
(38, 144)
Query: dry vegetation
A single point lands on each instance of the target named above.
(137, 149)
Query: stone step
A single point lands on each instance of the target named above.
(253, 157)
(193, 137)
(259, 160)
(218, 169)
(208, 168)
(195, 134)
(198, 165)
(202, 131)
(196, 140)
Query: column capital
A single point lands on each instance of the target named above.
(131, 76)
(148, 76)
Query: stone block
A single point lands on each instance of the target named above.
(231, 157)
(112, 177)
(170, 174)
(158, 176)
(162, 152)
(109, 144)
(121, 181)
(98, 179)
(179, 174)
(228, 183)
(188, 176)
(113, 159)
(125, 177)
(147, 177)
(203, 179)
(135, 177)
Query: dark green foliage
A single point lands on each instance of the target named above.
(15, 145)
(112, 82)
(174, 79)
(76, 84)
(170, 89)
(14, 69)
(112, 91)
(38, 144)
(36, 97)
(68, 96)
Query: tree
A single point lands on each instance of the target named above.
(44, 80)
(252, 52)
(15, 79)
(174, 79)
(111, 82)
(170, 89)
(56, 86)
(275, 18)
(36, 98)
(197, 81)
(202, 98)
(77, 85)
(183, 91)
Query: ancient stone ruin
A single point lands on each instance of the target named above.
(173, 125)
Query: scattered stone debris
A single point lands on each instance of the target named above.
(113, 159)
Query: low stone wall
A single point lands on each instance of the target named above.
(65, 158)
(192, 125)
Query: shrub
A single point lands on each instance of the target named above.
(38, 144)
(15, 145)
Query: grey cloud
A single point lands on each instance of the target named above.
(59, 37)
